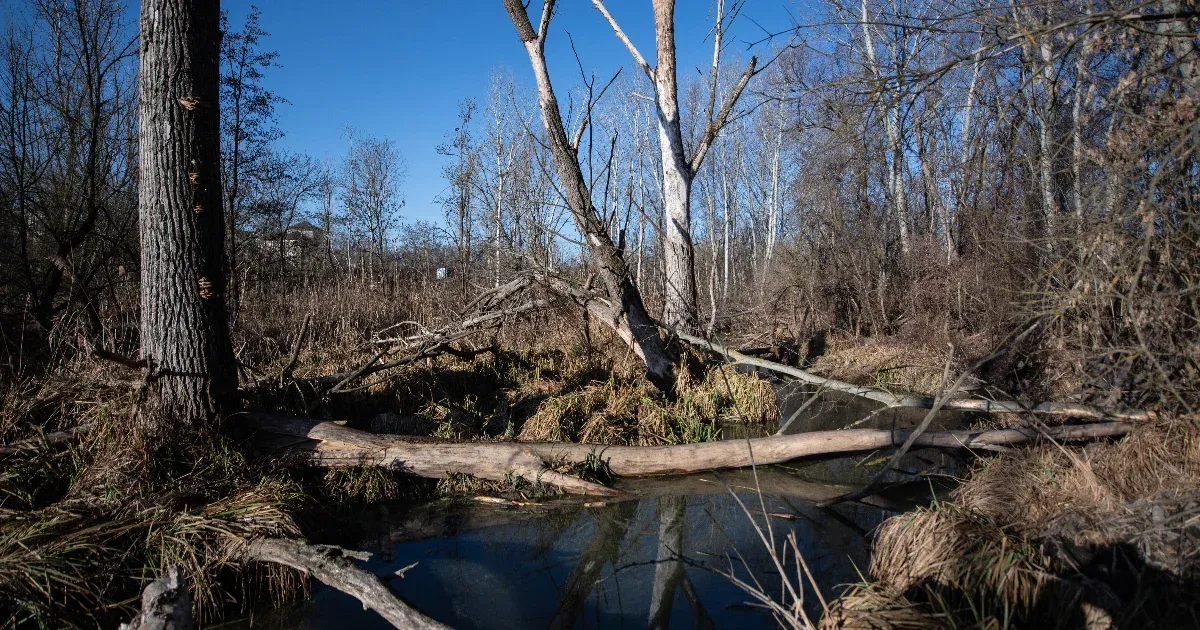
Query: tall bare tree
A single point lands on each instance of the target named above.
(678, 167)
(248, 128)
(620, 307)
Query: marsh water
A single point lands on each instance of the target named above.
(663, 557)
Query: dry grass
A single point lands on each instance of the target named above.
(625, 409)
(1048, 537)
(896, 363)
(1028, 488)
(58, 567)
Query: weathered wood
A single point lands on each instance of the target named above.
(622, 308)
(891, 399)
(331, 566)
(332, 445)
(166, 605)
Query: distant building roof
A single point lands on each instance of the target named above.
(304, 225)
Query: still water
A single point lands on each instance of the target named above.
(660, 558)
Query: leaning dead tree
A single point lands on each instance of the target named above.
(327, 444)
(620, 306)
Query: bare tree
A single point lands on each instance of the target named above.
(678, 167)
(247, 126)
(461, 175)
(66, 155)
(372, 175)
(621, 306)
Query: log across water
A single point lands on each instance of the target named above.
(328, 444)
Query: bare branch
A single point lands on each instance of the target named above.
(715, 125)
(637, 56)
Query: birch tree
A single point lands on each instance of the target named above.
(620, 306)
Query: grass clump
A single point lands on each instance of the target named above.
(624, 409)
(1106, 536)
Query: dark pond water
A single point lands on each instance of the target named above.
(656, 558)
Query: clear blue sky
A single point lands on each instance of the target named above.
(398, 68)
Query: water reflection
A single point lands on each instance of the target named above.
(651, 562)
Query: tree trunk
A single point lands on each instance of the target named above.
(185, 336)
(624, 311)
(679, 305)
(334, 446)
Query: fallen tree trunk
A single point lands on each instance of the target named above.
(891, 400)
(331, 566)
(332, 445)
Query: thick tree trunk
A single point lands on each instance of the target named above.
(185, 336)
(679, 258)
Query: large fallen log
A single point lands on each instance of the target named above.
(332, 445)
(892, 399)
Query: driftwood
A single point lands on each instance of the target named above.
(166, 605)
(333, 566)
(892, 400)
(332, 445)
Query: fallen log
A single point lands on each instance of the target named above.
(331, 566)
(893, 400)
(332, 445)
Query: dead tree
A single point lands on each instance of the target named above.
(679, 168)
(621, 307)
(330, 445)
(185, 336)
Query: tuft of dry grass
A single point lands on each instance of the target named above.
(624, 409)
(1028, 488)
(1048, 537)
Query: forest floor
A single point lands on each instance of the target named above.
(1027, 528)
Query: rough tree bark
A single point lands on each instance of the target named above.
(185, 336)
(623, 311)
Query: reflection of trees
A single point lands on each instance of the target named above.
(604, 549)
(669, 573)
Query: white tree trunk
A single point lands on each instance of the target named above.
(891, 117)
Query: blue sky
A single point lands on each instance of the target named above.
(398, 68)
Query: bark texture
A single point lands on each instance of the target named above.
(679, 305)
(185, 336)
